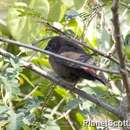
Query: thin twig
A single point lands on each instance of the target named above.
(39, 40)
(57, 56)
(67, 117)
(31, 93)
(125, 5)
(48, 97)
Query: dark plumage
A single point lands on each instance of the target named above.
(66, 70)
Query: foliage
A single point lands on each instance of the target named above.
(31, 102)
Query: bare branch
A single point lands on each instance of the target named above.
(117, 36)
(39, 40)
(64, 84)
(56, 55)
(124, 4)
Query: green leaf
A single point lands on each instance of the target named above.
(88, 106)
(41, 61)
(127, 45)
(72, 104)
(96, 89)
(15, 121)
(26, 28)
(80, 118)
(127, 51)
(27, 79)
(61, 91)
(91, 33)
(10, 83)
(11, 86)
(9, 80)
(26, 127)
(3, 109)
(57, 10)
(3, 28)
(68, 3)
(1, 64)
(42, 6)
(76, 25)
(79, 3)
(127, 40)
(51, 125)
(105, 39)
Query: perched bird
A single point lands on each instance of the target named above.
(69, 71)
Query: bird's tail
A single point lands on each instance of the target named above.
(91, 75)
(101, 79)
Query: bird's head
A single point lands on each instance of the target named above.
(54, 45)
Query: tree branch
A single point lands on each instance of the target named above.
(56, 55)
(117, 36)
(64, 84)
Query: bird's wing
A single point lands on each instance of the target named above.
(76, 56)
(82, 57)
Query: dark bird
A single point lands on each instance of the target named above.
(69, 71)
